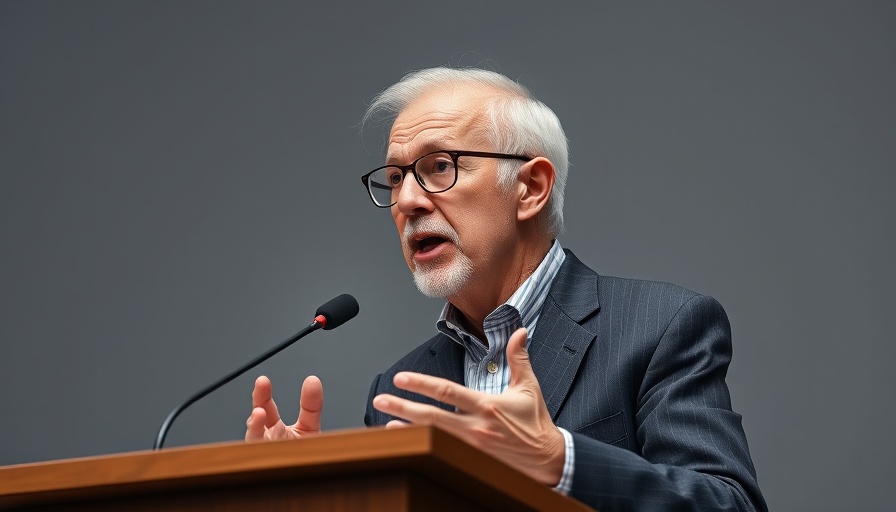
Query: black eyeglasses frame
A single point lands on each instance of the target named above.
(411, 168)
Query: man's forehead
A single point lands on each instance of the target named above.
(438, 119)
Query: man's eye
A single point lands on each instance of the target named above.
(394, 178)
(442, 166)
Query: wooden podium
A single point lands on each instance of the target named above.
(413, 468)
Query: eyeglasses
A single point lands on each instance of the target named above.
(435, 172)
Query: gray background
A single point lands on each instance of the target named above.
(179, 191)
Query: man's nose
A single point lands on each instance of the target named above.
(412, 198)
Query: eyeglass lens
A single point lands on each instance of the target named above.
(435, 172)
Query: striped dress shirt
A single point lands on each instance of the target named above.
(485, 364)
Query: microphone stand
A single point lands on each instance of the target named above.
(163, 430)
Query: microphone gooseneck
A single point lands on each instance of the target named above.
(329, 316)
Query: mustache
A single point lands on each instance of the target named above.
(429, 226)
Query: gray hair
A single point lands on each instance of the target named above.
(520, 124)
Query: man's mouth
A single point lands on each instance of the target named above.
(427, 243)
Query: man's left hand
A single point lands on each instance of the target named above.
(514, 426)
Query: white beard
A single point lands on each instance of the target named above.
(443, 281)
(439, 279)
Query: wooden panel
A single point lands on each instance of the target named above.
(429, 467)
(379, 493)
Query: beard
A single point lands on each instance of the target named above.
(439, 279)
(443, 281)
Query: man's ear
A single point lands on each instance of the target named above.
(535, 182)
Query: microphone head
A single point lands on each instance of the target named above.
(338, 311)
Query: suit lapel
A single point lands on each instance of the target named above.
(445, 360)
(560, 341)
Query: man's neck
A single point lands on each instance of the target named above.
(475, 305)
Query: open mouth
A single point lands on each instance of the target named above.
(427, 243)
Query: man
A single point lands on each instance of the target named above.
(610, 390)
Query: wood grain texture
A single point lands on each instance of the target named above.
(414, 468)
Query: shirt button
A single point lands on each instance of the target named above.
(492, 367)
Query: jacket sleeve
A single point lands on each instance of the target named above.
(372, 417)
(693, 450)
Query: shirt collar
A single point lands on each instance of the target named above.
(526, 301)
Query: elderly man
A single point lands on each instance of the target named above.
(610, 390)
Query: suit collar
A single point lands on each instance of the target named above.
(575, 289)
(560, 340)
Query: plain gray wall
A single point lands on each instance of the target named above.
(180, 190)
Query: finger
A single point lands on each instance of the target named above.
(262, 396)
(420, 414)
(255, 425)
(518, 358)
(396, 424)
(311, 405)
(443, 390)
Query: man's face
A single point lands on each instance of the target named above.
(452, 241)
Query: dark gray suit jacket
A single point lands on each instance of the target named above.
(635, 370)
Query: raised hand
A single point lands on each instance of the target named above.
(264, 423)
(514, 426)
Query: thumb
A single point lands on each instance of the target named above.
(518, 358)
(262, 396)
(311, 405)
(255, 425)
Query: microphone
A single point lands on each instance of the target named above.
(337, 311)
(331, 315)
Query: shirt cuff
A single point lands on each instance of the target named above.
(565, 485)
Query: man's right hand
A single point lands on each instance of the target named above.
(264, 423)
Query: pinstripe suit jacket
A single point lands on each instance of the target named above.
(635, 370)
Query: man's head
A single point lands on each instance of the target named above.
(512, 120)
(488, 231)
